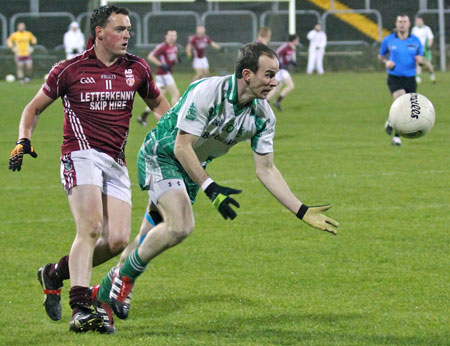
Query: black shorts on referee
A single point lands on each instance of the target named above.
(397, 83)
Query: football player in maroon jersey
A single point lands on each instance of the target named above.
(287, 56)
(97, 88)
(196, 48)
(264, 35)
(164, 56)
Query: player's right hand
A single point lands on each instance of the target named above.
(219, 196)
(390, 64)
(165, 67)
(23, 146)
(314, 217)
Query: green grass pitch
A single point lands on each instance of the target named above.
(264, 278)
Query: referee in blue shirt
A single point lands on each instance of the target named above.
(400, 52)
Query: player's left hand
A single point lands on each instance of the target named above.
(23, 146)
(314, 217)
(219, 196)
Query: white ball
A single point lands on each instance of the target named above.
(412, 115)
(10, 78)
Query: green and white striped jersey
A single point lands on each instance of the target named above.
(208, 109)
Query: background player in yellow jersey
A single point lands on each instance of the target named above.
(20, 43)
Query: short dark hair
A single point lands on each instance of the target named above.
(248, 57)
(100, 16)
(292, 37)
(401, 15)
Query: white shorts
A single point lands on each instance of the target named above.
(282, 75)
(91, 167)
(200, 63)
(163, 80)
(157, 189)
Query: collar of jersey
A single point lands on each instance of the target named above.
(232, 95)
(92, 55)
(396, 36)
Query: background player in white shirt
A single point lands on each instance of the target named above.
(426, 37)
(213, 115)
(317, 43)
(73, 41)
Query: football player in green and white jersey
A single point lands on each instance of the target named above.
(426, 37)
(213, 115)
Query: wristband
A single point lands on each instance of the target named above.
(206, 183)
(302, 211)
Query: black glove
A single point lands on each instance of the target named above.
(74, 51)
(165, 67)
(23, 146)
(294, 63)
(219, 196)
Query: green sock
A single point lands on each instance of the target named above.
(133, 266)
(105, 287)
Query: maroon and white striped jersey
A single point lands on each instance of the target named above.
(98, 100)
(199, 45)
(286, 55)
(167, 54)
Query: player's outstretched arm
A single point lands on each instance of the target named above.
(216, 45)
(419, 59)
(219, 195)
(27, 124)
(189, 50)
(185, 154)
(272, 179)
(154, 60)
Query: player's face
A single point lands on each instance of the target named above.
(402, 24)
(263, 81)
(21, 27)
(419, 22)
(116, 34)
(200, 31)
(171, 37)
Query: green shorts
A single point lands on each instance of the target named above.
(154, 166)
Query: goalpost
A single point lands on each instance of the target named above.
(292, 24)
